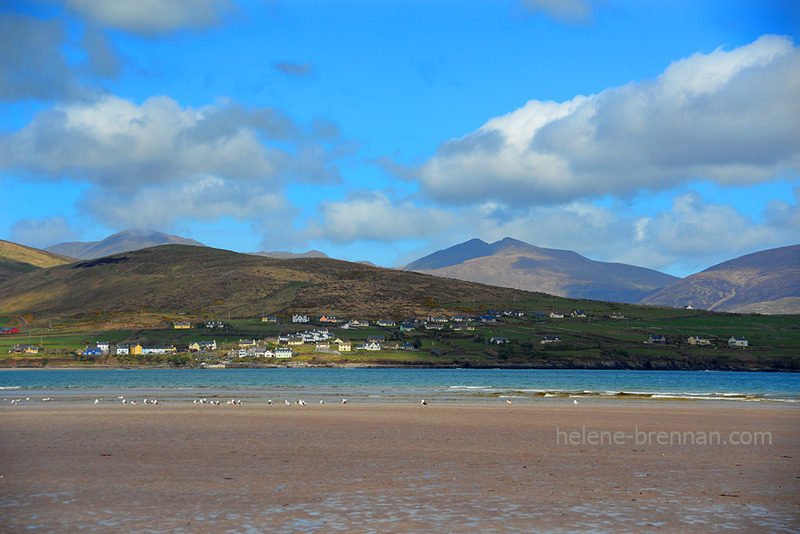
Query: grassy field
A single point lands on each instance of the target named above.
(597, 341)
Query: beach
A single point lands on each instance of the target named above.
(459, 467)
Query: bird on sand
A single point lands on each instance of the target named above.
(345, 401)
(423, 402)
(574, 402)
(509, 402)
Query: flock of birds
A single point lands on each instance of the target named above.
(214, 402)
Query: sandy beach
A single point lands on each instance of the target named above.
(593, 467)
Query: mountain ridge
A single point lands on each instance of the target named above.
(513, 263)
(767, 281)
(125, 241)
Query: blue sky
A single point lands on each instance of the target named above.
(661, 133)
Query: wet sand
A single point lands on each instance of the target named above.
(400, 468)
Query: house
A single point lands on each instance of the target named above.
(25, 349)
(375, 339)
(616, 316)
(345, 346)
(698, 340)
(656, 339)
(550, 339)
(459, 318)
(578, 313)
(407, 346)
(432, 326)
(437, 319)
(91, 351)
(159, 349)
(328, 319)
(498, 340)
(407, 326)
(295, 341)
(135, 349)
(270, 319)
(104, 346)
(181, 325)
(122, 349)
(215, 324)
(463, 327)
(371, 345)
(385, 322)
(323, 346)
(199, 346)
(488, 318)
(297, 318)
(556, 315)
(283, 352)
(737, 342)
(257, 352)
(244, 343)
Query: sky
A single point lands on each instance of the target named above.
(658, 133)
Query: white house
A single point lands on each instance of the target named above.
(737, 342)
(283, 352)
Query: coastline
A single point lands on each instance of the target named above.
(399, 468)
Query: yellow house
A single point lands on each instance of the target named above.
(345, 346)
(181, 324)
(136, 349)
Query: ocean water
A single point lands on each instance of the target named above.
(395, 385)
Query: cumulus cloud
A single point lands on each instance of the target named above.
(206, 198)
(41, 233)
(373, 216)
(691, 234)
(117, 144)
(151, 18)
(726, 116)
(564, 11)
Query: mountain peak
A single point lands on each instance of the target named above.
(124, 241)
(515, 264)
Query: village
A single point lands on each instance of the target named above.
(320, 340)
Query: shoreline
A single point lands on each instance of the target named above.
(452, 467)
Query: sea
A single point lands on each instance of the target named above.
(383, 385)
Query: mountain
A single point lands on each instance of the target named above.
(762, 282)
(515, 264)
(213, 282)
(121, 242)
(18, 259)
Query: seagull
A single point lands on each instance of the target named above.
(322, 402)
(423, 402)
(345, 401)
(509, 402)
(287, 402)
(97, 401)
(269, 402)
(574, 402)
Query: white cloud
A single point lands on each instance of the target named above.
(727, 117)
(153, 17)
(116, 144)
(373, 216)
(203, 198)
(690, 235)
